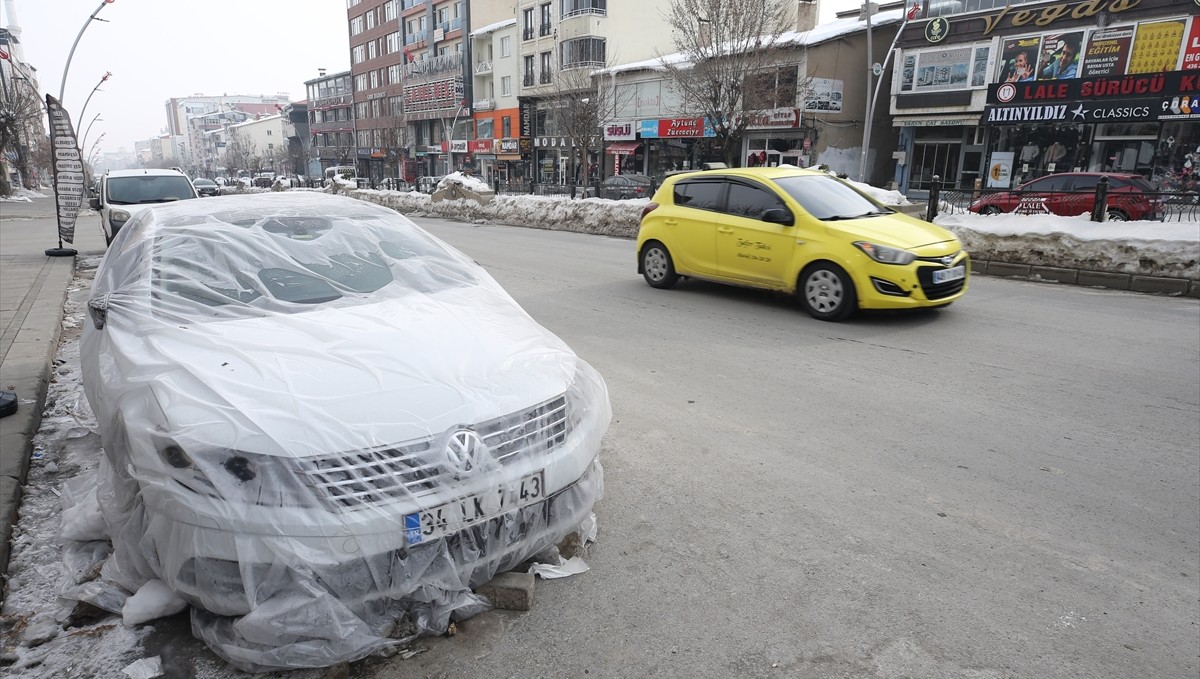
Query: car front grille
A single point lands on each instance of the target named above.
(357, 480)
(941, 290)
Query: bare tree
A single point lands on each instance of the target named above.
(20, 108)
(580, 98)
(240, 154)
(729, 56)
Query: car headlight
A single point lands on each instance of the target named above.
(236, 476)
(118, 216)
(885, 255)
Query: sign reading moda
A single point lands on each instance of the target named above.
(68, 169)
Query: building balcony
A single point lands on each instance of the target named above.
(527, 80)
(527, 34)
(544, 30)
(544, 78)
(406, 5)
(483, 67)
(417, 37)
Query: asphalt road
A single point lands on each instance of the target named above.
(1009, 487)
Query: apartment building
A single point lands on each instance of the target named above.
(331, 121)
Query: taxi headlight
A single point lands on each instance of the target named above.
(885, 255)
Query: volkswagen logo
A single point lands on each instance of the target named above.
(947, 260)
(464, 450)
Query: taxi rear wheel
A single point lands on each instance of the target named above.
(826, 291)
(657, 267)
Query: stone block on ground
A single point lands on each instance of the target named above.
(510, 591)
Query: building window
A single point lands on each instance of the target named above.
(394, 73)
(589, 52)
(268, 133)
(528, 71)
(356, 25)
(484, 128)
(360, 82)
(547, 60)
(371, 51)
(505, 46)
(359, 54)
(374, 79)
(393, 42)
(527, 22)
(506, 86)
(389, 11)
(544, 26)
(370, 19)
(506, 127)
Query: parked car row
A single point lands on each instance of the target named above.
(1069, 194)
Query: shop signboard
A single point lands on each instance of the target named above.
(648, 129)
(999, 173)
(508, 147)
(1191, 49)
(1107, 52)
(458, 146)
(824, 94)
(1175, 107)
(525, 110)
(1156, 47)
(1019, 57)
(480, 146)
(1060, 56)
(681, 127)
(619, 131)
(431, 96)
(1151, 86)
(775, 118)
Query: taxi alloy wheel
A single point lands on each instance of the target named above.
(657, 267)
(826, 292)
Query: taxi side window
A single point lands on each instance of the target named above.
(751, 201)
(702, 195)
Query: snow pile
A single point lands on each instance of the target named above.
(153, 601)
(593, 215)
(22, 195)
(466, 181)
(1170, 249)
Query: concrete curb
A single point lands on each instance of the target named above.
(28, 366)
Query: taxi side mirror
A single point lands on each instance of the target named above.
(778, 216)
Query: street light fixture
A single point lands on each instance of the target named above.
(95, 89)
(62, 88)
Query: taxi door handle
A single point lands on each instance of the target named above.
(724, 229)
(670, 222)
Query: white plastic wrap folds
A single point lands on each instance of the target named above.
(324, 427)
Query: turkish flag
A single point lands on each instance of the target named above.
(913, 12)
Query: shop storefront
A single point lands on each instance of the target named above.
(552, 159)
(670, 144)
(620, 146)
(1147, 124)
(774, 138)
(509, 167)
(1090, 85)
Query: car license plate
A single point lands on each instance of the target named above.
(453, 516)
(947, 275)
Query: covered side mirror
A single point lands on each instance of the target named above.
(778, 216)
(94, 203)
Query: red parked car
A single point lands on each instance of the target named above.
(1130, 197)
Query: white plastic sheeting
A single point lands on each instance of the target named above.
(324, 427)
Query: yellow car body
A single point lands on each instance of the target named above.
(802, 232)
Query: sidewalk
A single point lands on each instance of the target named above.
(33, 289)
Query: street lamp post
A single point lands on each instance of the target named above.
(62, 88)
(95, 89)
(83, 142)
(868, 9)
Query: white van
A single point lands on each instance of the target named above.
(124, 193)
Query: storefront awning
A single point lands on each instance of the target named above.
(623, 148)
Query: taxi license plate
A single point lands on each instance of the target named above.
(947, 275)
(451, 517)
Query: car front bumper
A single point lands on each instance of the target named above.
(885, 286)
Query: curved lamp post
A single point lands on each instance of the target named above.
(62, 88)
(95, 89)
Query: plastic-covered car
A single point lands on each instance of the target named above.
(320, 421)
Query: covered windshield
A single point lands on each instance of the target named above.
(829, 199)
(148, 189)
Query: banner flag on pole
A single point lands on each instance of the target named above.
(68, 169)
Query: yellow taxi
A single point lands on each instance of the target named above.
(803, 232)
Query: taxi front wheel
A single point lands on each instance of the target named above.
(826, 291)
(657, 267)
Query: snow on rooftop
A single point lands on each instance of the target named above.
(824, 33)
(494, 27)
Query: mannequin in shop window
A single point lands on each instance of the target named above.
(1054, 155)
(1029, 152)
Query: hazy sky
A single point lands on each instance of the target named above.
(158, 49)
